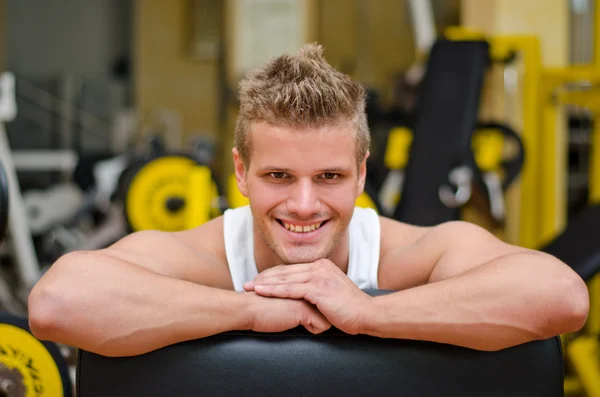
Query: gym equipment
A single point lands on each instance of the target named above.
(577, 246)
(498, 170)
(49, 207)
(30, 367)
(169, 191)
(395, 159)
(440, 169)
(449, 154)
(28, 268)
(297, 363)
(4, 203)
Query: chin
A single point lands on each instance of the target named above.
(295, 256)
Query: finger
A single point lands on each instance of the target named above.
(317, 322)
(306, 291)
(286, 278)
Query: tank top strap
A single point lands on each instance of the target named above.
(365, 237)
(238, 233)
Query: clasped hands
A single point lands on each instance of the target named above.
(315, 295)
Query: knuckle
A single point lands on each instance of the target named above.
(320, 263)
(322, 272)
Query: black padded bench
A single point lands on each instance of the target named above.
(578, 245)
(297, 363)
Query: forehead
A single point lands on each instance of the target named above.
(322, 147)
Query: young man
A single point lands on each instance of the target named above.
(301, 252)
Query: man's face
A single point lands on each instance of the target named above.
(302, 186)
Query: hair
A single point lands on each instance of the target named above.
(300, 90)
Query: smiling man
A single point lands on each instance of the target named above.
(301, 252)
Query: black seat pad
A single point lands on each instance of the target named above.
(578, 245)
(297, 363)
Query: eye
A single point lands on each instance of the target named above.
(330, 175)
(277, 175)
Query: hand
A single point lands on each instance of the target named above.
(277, 315)
(321, 283)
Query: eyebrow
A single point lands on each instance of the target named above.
(289, 170)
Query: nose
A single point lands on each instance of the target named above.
(304, 201)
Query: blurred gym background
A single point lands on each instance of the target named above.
(119, 116)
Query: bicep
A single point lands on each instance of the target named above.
(413, 256)
(465, 247)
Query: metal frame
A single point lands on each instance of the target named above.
(26, 261)
(526, 229)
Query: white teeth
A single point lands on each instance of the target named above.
(302, 229)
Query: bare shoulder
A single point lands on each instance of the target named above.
(395, 234)
(206, 239)
(196, 255)
(465, 246)
(412, 255)
(400, 265)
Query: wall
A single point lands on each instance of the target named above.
(370, 40)
(2, 33)
(77, 37)
(166, 75)
(67, 48)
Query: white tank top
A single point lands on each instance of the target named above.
(364, 234)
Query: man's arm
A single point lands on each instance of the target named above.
(150, 290)
(456, 284)
(140, 294)
(478, 292)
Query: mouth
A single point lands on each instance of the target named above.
(301, 229)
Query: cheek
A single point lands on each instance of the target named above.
(262, 196)
(341, 198)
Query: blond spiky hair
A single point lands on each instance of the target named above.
(300, 90)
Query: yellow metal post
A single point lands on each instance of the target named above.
(199, 199)
(594, 172)
(584, 352)
(528, 50)
(552, 184)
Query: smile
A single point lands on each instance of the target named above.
(301, 228)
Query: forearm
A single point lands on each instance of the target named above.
(500, 304)
(115, 308)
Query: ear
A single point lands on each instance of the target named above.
(362, 175)
(240, 172)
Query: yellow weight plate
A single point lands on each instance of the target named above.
(24, 359)
(151, 188)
